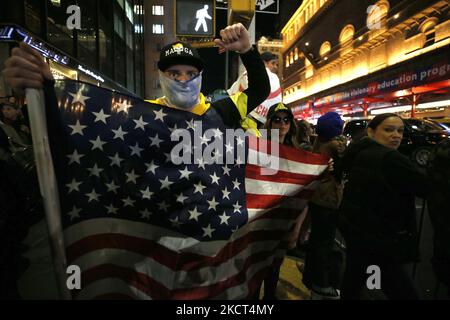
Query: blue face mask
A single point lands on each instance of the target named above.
(181, 94)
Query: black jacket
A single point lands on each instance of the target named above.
(378, 207)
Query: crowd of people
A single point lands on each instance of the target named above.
(367, 193)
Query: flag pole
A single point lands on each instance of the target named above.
(48, 186)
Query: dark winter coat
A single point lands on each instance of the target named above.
(378, 208)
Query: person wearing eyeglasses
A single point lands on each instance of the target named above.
(279, 117)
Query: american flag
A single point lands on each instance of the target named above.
(140, 226)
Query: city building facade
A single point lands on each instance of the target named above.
(358, 56)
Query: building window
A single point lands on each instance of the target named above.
(138, 9)
(129, 12)
(325, 48)
(138, 28)
(428, 24)
(158, 29)
(158, 10)
(346, 34)
(376, 14)
(295, 54)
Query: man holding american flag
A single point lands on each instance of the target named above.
(140, 224)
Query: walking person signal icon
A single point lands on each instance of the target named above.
(201, 16)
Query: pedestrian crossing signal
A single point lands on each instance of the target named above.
(195, 18)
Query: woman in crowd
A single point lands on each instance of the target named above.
(279, 117)
(378, 212)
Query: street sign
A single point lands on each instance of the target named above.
(262, 6)
(195, 18)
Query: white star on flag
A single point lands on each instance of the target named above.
(151, 167)
(78, 97)
(236, 184)
(93, 196)
(145, 214)
(165, 183)
(226, 170)
(112, 187)
(215, 178)
(159, 115)
(131, 177)
(190, 124)
(119, 133)
(239, 141)
(208, 231)
(97, 143)
(128, 202)
(140, 124)
(217, 133)
(199, 187)
(73, 186)
(181, 198)
(136, 150)
(156, 141)
(75, 157)
(101, 116)
(237, 207)
(175, 222)
(194, 214)
(146, 194)
(95, 171)
(111, 209)
(75, 213)
(212, 204)
(201, 163)
(115, 160)
(226, 193)
(77, 128)
(224, 219)
(185, 173)
(204, 140)
(229, 147)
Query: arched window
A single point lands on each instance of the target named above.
(376, 14)
(428, 24)
(347, 34)
(296, 54)
(325, 48)
(291, 59)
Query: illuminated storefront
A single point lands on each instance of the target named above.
(358, 59)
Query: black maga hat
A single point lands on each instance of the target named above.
(179, 53)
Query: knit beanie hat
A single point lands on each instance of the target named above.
(329, 125)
